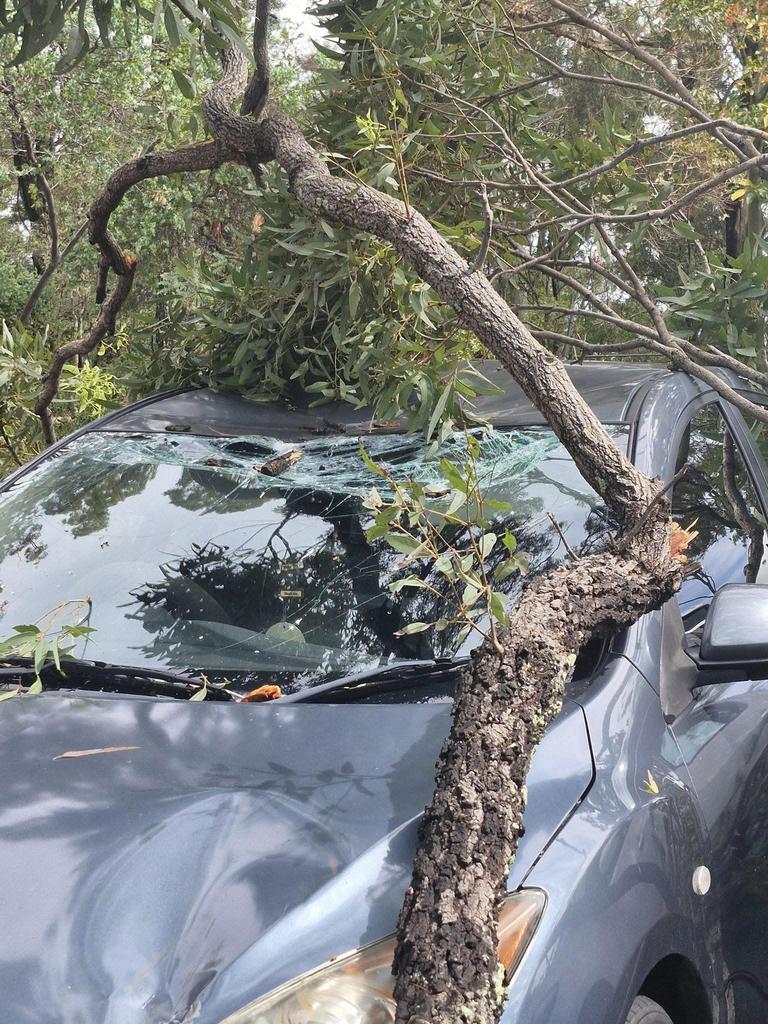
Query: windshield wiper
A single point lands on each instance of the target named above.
(399, 675)
(103, 675)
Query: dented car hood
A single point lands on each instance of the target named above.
(225, 849)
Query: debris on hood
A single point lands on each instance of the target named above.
(280, 463)
(262, 693)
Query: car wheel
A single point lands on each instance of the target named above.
(645, 1011)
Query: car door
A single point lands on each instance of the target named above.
(723, 732)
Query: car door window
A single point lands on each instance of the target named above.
(759, 432)
(717, 498)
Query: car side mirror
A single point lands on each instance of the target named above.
(736, 628)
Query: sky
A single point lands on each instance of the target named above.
(296, 10)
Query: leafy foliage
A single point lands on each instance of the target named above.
(48, 640)
(236, 289)
(448, 527)
(87, 391)
(726, 304)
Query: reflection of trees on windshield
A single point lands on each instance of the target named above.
(20, 534)
(200, 490)
(85, 496)
(281, 608)
(286, 610)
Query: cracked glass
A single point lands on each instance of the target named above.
(194, 559)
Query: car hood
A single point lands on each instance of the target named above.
(228, 848)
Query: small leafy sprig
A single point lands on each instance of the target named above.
(446, 525)
(46, 640)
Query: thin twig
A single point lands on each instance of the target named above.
(51, 267)
(44, 188)
(9, 445)
(482, 254)
(634, 530)
(560, 533)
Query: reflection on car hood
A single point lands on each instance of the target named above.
(231, 847)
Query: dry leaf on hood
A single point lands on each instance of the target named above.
(262, 693)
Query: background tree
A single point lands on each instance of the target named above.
(80, 120)
(473, 115)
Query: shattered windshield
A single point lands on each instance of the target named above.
(195, 558)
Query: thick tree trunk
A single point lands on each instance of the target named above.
(446, 962)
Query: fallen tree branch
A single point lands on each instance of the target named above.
(446, 958)
(203, 157)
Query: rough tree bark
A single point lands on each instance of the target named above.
(446, 963)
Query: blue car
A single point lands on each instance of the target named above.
(167, 861)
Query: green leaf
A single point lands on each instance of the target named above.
(496, 505)
(505, 569)
(186, 86)
(327, 52)
(354, 298)
(686, 231)
(509, 542)
(370, 464)
(200, 694)
(56, 654)
(171, 21)
(487, 544)
(413, 627)
(41, 653)
(35, 37)
(402, 543)
(452, 474)
(498, 608)
(35, 688)
(6, 695)
(444, 565)
(409, 581)
(235, 38)
(437, 413)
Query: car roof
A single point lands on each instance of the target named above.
(609, 388)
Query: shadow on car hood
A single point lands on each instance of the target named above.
(234, 847)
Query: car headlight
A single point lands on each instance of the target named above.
(356, 988)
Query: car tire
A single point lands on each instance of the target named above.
(644, 1011)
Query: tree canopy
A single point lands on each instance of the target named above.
(431, 102)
